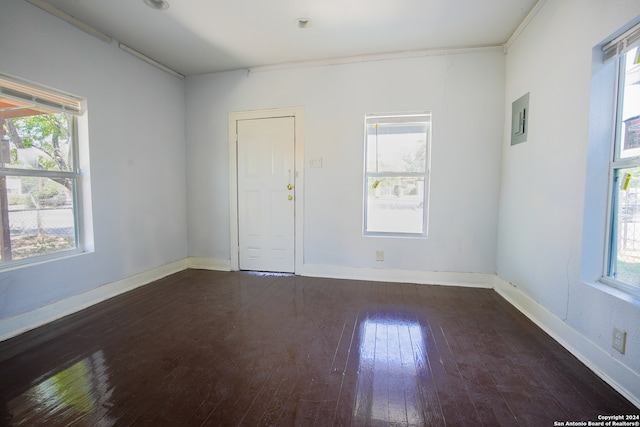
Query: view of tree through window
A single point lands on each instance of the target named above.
(37, 180)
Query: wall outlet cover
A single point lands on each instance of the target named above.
(619, 339)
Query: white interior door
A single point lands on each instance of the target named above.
(266, 194)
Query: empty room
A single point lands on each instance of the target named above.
(320, 212)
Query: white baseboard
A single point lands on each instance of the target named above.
(475, 280)
(617, 375)
(24, 322)
(209, 264)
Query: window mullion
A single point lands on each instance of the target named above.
(396, 174)
(625, 163)
(37, 173)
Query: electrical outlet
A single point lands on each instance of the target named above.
(619, 339)
(379, 255)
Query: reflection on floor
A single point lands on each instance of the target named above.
(215, 348)
(391, 366)
(76, 391)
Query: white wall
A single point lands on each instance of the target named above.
(545, 243)
(137, 156)
(542, 219)
(464, 92)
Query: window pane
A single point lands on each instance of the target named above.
(35, 140)
(625, 248)
(40, 217)
(630, 128)
(395, 205)
(396, 147)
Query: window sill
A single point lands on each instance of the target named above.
(616, 290)
(394, 235)
(17, 265)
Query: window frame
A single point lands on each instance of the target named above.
(425, 175)
(37, 95)
(617, 50)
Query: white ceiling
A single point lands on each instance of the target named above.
(202, 36)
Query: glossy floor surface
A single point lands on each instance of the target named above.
(215, 348)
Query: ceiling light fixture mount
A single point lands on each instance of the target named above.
(157, 4)
(303, 22)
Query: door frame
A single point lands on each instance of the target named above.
(298, 114)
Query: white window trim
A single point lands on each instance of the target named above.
(426, 175)
(615, 50)
(52, 99)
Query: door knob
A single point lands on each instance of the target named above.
(289, 197)
(289, 187)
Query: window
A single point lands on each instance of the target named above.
(38, 171)
(624, 244)
(396, 174)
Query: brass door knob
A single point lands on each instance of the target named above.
(289, 187)
(289, 197)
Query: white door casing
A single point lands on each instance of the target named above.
(265, 157)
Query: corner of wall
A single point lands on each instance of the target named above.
(617, 375)
(209, 264)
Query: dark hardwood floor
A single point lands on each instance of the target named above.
(216, 348)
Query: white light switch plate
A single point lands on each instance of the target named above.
(316, 162)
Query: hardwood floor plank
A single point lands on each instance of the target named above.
(348, 383)
(425, 395)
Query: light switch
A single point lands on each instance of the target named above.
(316, 162)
